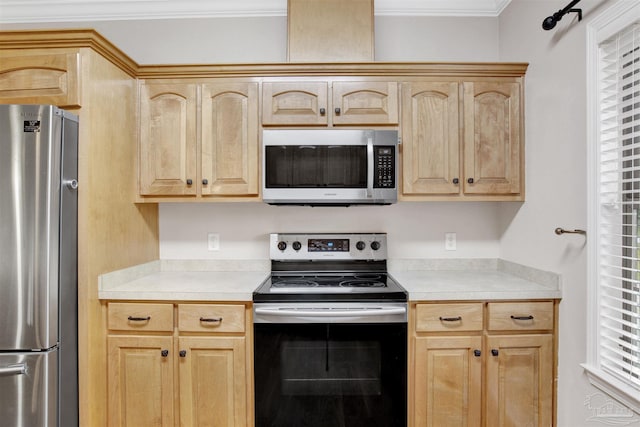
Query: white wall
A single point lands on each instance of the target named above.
(556, 169)
(415, 230)
(264, 39)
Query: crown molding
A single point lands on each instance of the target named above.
(33, 11)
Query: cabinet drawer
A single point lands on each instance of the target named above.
(140, 317)
(210, 318)
(449, 317)
(514, 316)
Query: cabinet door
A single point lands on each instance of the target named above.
(140, 381)
(294, 103)
(448, 381)
(213, 390)
(168, 139)
(365, 103)
(430, 138)
(492, 138)
(519, 381)
(230, 139)
(52, 78)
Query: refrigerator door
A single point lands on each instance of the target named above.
(28, 384)
(29, 226)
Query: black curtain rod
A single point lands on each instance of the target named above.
(551, 21)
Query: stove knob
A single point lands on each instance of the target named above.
(375, 245)
(360, 245)
(296, 246)
(282, 245)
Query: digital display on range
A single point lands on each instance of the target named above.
(328, 245)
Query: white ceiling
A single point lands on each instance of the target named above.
(26, 11)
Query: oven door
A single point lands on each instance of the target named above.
(336, 374)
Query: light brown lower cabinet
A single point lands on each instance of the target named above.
(482, 364)
(178, 364)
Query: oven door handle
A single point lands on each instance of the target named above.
(331, 312)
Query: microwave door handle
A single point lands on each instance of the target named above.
(369, 167)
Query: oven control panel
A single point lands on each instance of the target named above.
(357, 246)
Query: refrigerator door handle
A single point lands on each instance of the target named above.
(20, 369)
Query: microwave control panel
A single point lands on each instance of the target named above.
(384, 166)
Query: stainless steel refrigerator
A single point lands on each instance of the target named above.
(38, 266)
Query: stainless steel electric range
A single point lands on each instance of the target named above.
(330, 334)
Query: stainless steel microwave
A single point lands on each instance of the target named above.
(330, 166)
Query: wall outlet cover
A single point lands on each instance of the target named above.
(213, 241)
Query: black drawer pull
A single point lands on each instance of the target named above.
(211, 319)
(450, 319)
(522, 317)
(139, 319)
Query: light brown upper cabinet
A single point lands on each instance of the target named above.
(168, 144)
(230, 139)
(199, 140)
(462, 139)
(37, 79)
(492, 138)
(325, 103)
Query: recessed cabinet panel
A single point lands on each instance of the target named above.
(140, 381)
(168, 139)
(40, 79)
(230, 139)
(212, 382)
(362, 103)
(294, 103)
(431, 144)
(520, 381)
(492, 138)
(448, 382)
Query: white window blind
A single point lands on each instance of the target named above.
(618, 200)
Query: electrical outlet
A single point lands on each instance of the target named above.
(213, 241)
(450, 241)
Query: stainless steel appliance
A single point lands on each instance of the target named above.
(330, 166)
(330, 335)
(38, 266)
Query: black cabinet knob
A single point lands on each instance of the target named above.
(456, 181)
(183, 353)
(323, 111)
(494, 352)
(470, 180)
(164, 353)
(337, 110)
(477, 353)
(189, 182)
(205, 181)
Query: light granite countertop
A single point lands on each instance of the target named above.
(235, 280)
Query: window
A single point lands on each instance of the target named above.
(614, 342)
